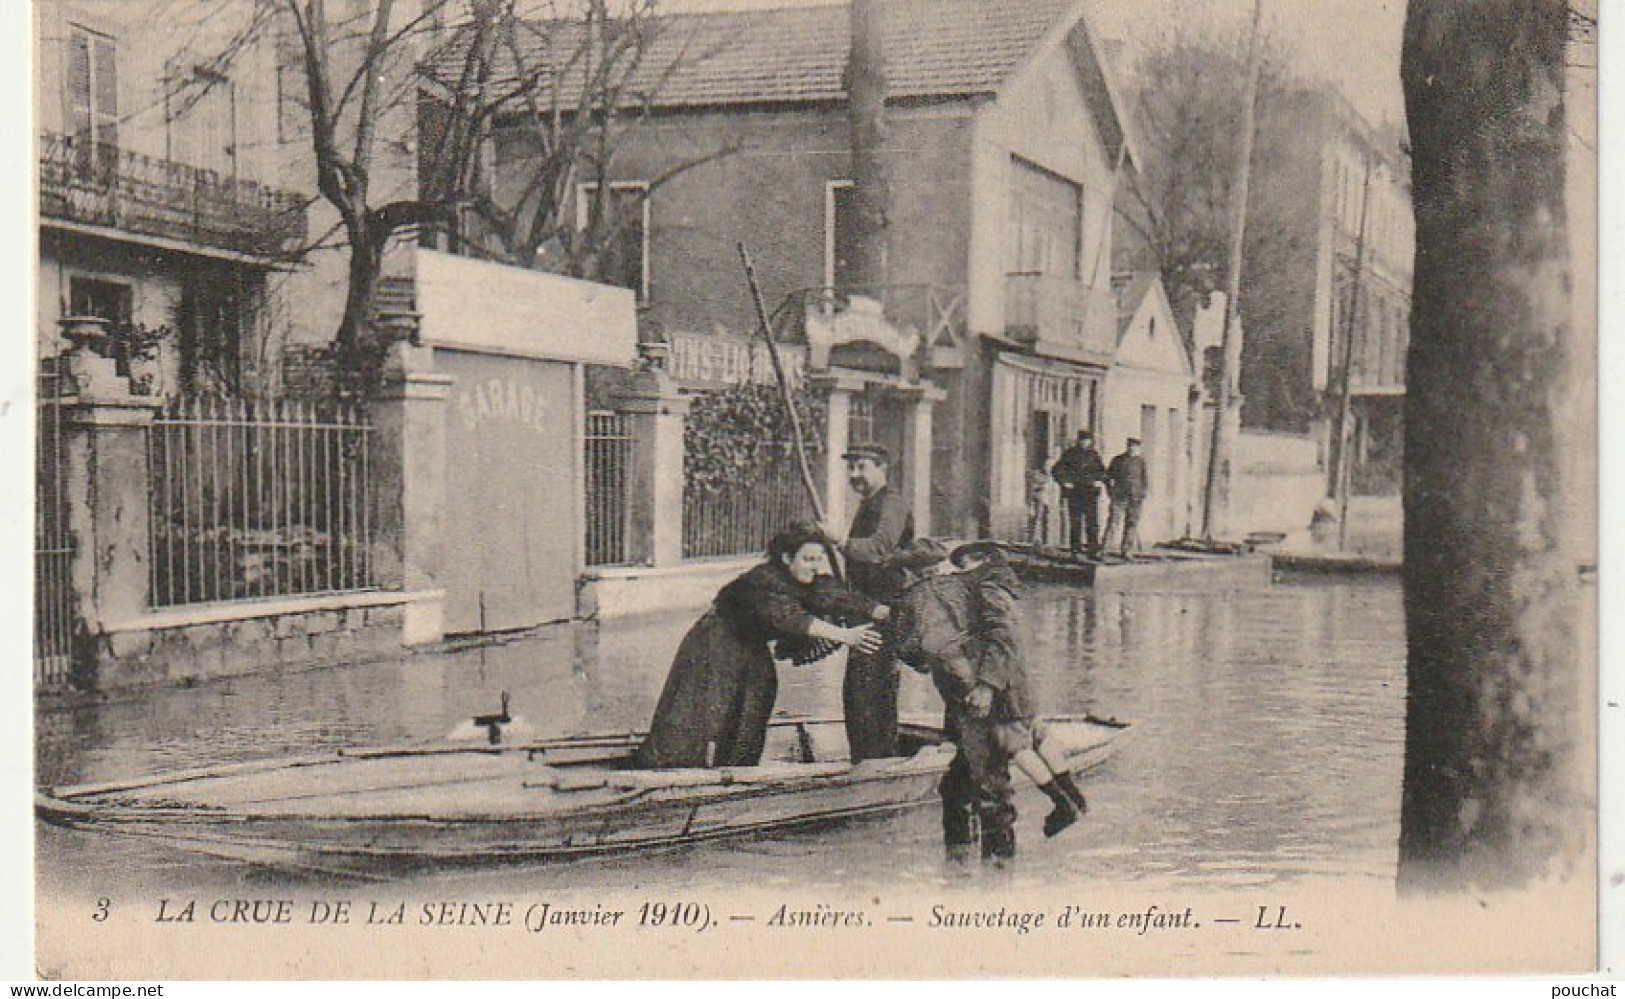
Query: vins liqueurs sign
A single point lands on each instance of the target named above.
(503, 399)
(729, 360)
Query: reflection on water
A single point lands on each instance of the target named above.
(1266, 743)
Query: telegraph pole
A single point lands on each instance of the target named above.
(1217, 499)
(866, 85)
(1341, 465)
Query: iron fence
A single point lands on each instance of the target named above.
(254, 498)
(53, 547)
(742, 517)
(608, 463)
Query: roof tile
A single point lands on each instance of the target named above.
(935, 48)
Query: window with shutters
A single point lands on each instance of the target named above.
(202, 120)
(113, 301)
(212, 318)
(292, 87)
(109, 300)
(1046, 223)
(91, 94)
(624, 229)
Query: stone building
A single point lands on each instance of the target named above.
(1152, 394)
(991, 338)
(203, 507)
(1303, 292)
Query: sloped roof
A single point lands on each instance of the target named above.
(934, 48)
(1131, 290)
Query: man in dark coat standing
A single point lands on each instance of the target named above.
(1080, 472)
(1127, 482)
(881, 528)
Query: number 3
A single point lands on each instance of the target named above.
(103, 905)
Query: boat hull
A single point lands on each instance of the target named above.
(395, 809)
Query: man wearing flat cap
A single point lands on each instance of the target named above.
(881, 528)
(1127, 482)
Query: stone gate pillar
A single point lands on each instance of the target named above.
(836, 428)
(915, 463)
(408, 461)
(106, 481)
(658, 413)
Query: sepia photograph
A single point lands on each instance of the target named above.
(810, 489)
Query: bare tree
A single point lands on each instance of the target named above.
(1188, 108)
(434, 83)
(556, 93)
(358, 68)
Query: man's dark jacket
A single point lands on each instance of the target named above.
(882, 526)
(1079, 467)
(1127, 478)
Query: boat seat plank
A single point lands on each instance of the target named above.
(338, 778)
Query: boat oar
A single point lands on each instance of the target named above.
(765, 327)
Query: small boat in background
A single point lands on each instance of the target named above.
(390, 810)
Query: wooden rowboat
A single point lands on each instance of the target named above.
(394, 809)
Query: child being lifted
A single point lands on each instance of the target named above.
(959, 627)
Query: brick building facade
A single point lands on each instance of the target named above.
(1004, 151)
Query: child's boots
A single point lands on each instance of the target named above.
(1069, 803)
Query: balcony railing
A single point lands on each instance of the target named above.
(102, 184)
(1060, 315)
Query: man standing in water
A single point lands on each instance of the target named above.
(961, 628)
(881, 527)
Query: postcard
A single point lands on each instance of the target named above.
(882, 489)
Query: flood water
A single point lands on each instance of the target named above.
(1265, 748)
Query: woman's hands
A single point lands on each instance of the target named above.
(864, 638)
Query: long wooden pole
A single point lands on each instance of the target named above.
(1217, 497)
(784, 385)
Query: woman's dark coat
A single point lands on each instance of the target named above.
(722, 685)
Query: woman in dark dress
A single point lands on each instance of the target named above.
(719, 694)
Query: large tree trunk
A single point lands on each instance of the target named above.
(1499, 756)
(866, 101)
(358, 354)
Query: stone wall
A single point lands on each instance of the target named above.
(1279, 481)
(120, 640)
(182, 651)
